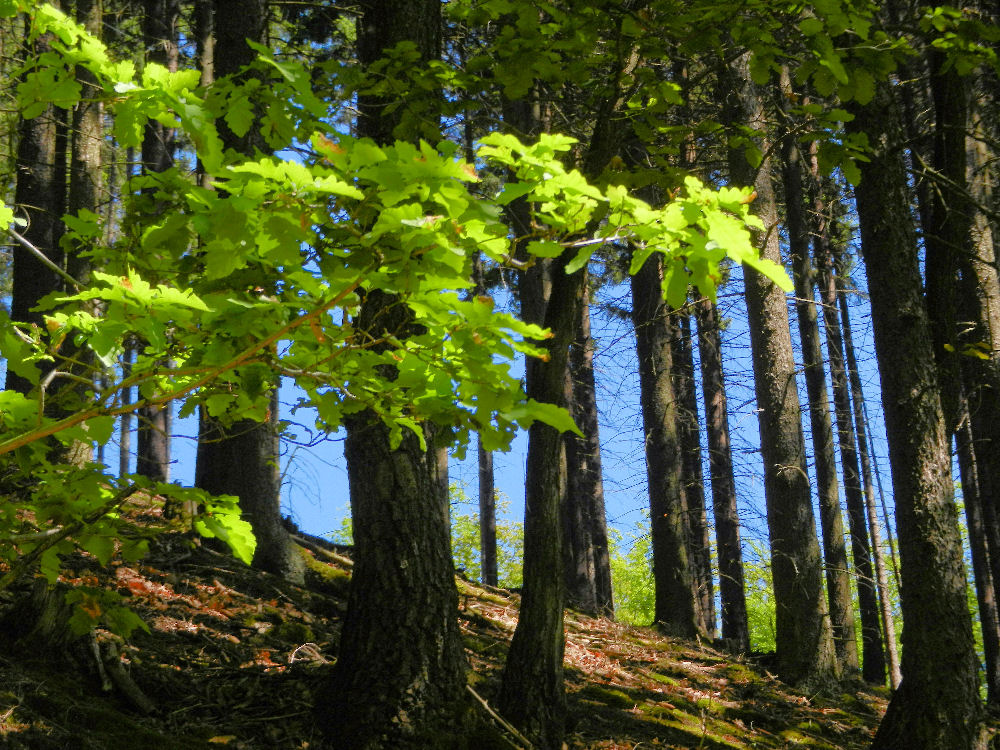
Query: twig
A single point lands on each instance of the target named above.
(525, 744)
(42, 257)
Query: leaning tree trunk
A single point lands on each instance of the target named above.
(732, 591)
(403, 583)
(256, 444)
(937, 705)
(803, 634)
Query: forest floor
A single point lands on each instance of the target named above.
(233, 659)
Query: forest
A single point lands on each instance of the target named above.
(408, 212)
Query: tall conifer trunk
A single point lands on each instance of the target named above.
(937, 704)
(732, 591)
(803, 637)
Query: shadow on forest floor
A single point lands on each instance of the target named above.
(233, 658)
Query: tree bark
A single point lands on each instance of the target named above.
(838, 583)
(881, 573)
(676, 608)
(732, 591)
(160, 34)
(937, 704)
(689, 435)
(400, 677)
(588, 578)
(531, 693)
(804, 639)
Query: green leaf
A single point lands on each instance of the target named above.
(552, 415)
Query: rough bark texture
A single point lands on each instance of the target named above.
(803, 635)
(531, 693)
(399, 680)
(676, 609)
(588, 571)
(720, 462)
(838, 583)
(689, 436)
(937, 704)
(487, 518)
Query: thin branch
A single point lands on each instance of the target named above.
(43, 258)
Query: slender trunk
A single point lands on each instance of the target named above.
(873, 654)
(676, 608)
(487, 490)
(804, 638)
(160, 33)
(689, 435)
(860, 429)
(589, 572)
(40, 196)
(720, 461)
(937, 704)
(838, 583)
(531, 693)
(989, 620)
(487, 518)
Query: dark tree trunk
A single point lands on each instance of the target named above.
(160, 33)
(838, 582)
(39, 195)
(804, 639)
(871, 512)
(937, 705)
(732, 591)
(487, 518)
(985, 594)
(531, 693)
(229, 454)
(689, 436)
(676, 608)
(400, 678)
(588, 572)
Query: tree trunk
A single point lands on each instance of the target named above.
(676, 609)
(487, 489)
(689, 436)
(732, 591)
(229, 455)
(804, 639)
(403, 583)
(989, 619)
(159, 30)
(838, 583)
(531, 693)
(873, 655)
(937, 704)
(881, 573)
(39, 196)
(589, 567)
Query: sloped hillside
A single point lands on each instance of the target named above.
(233, 657)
